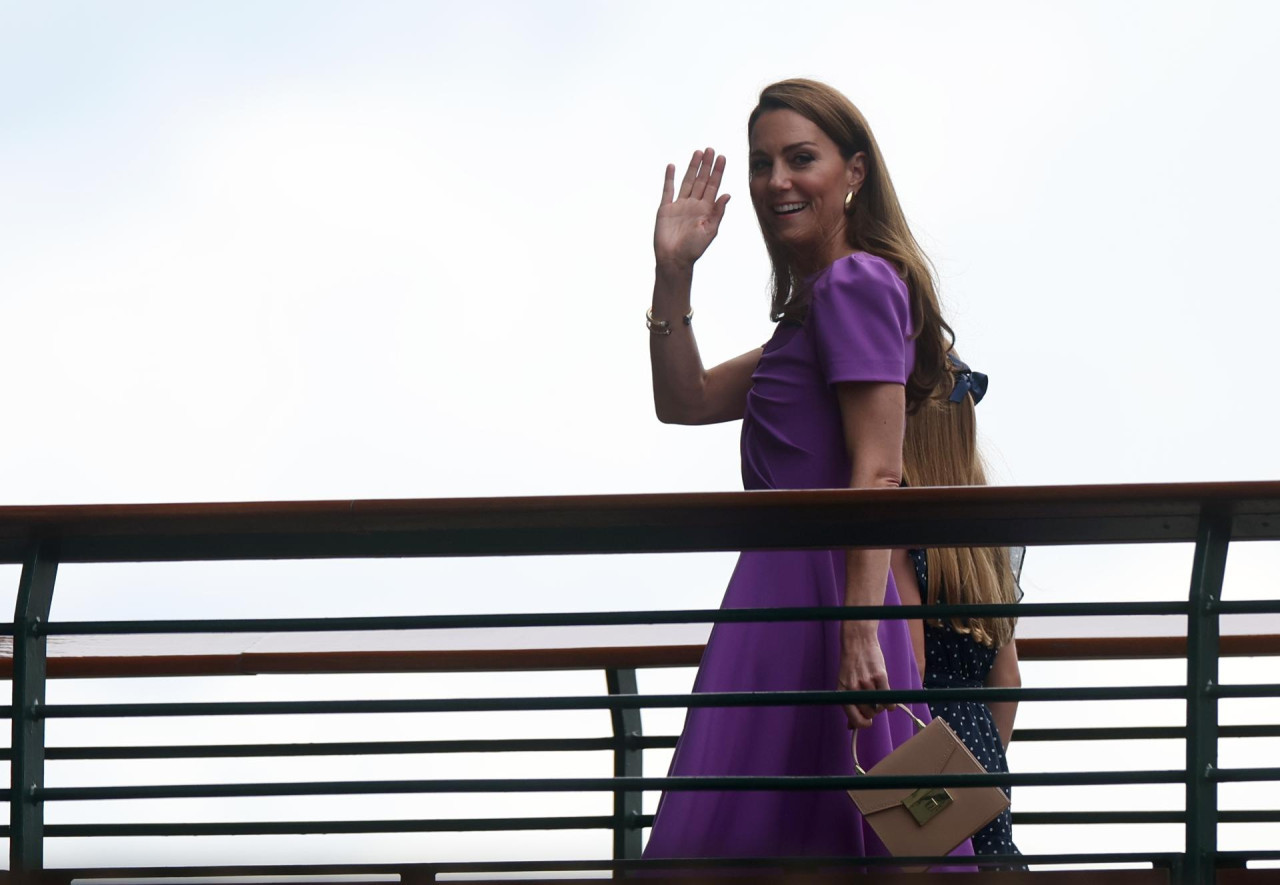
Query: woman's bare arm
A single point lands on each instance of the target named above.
(686, 393)
(1005, 674)
(688, 220)
(872, 414)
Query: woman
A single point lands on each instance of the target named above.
(941, 449)
(860, 340)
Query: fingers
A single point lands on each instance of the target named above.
(669, 183)
(879, 682)
(702, 178)
(858, 716)
(704, 175)
(686, 183)
(717, 211)
(717, 174)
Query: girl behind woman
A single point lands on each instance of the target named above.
(940, 448)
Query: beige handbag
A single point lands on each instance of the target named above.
(927, 820)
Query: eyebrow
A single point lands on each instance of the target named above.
(791, 147)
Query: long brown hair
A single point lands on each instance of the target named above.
(940, 448)
(875, 224)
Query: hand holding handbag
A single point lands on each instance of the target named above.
(927, 820)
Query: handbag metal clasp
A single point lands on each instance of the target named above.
(925, 803)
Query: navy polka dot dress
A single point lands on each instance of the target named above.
(954, 660)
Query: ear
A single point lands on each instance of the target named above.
(857, 170)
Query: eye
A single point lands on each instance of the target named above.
(758, 164)
(802, 159)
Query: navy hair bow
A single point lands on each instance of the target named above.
(967, 381)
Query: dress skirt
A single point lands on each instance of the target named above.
(780, 740)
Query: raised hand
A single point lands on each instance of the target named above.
(689, 220)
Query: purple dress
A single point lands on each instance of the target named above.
(792, 438)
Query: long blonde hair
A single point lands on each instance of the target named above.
(874, 223)
(940, 448)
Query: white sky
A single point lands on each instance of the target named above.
(330, 250)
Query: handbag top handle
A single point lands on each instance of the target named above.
(920, 725)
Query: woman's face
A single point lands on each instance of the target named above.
(799, 183)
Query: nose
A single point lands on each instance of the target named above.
(779, 178)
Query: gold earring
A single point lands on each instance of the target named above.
(848, 201)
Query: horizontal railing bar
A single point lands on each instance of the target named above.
(1248, 731)
(1036, 818)
(596, 785)
(1251, 690)
(69, 874)
(654, 741)
(347, 748)
(286, 828)
(1241, 775)
(540, 745)
(1240, 857)
(1163, 859)
(1128, 648)
(1138, 732)
(806, 519)
(68, 665)
(1118, 733)
(1138, 817)
(608, 702)
(597, 619)
(1096, 817)
(1250, 816)
(1156, 858)
(1247, 607)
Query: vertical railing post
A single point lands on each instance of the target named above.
(31, 614)
(1207, 571)
(628, 761)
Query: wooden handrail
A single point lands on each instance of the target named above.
(998, 515)
(75, 666)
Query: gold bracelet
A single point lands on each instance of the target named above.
(663, 327)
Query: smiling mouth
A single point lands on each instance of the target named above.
(788, 208)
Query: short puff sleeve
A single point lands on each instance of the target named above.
(860, 316)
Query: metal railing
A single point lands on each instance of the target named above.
(42, 538)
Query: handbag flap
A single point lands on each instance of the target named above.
(934, 750)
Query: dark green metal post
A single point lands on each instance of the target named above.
(628, 761)
(1207, 570)
(35, 595)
